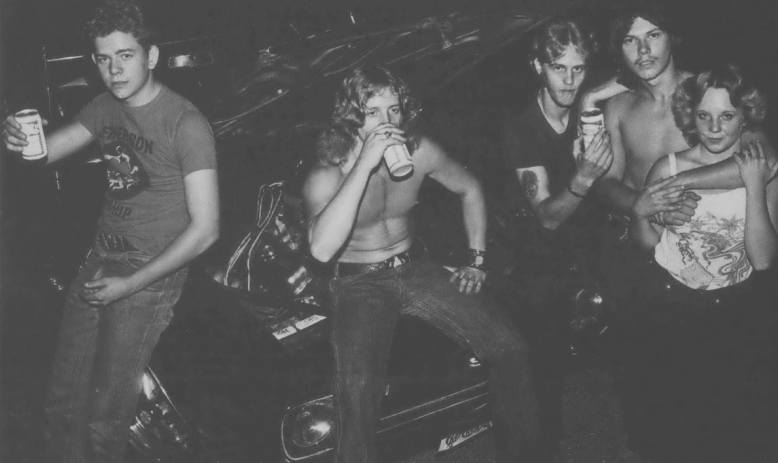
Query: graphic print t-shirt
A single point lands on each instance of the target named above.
(148, 150)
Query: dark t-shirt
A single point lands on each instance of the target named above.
(528, 140)
(148, 150)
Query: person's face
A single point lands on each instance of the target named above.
(383, 107)
(647, 49)
(718, 123)
(563, 77)
(125, 66)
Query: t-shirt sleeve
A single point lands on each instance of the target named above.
(521, 147)
(194, 143)
(89, 115)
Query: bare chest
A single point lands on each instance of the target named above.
(386, 198)
(647, 135)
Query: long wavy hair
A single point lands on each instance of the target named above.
(340, 136)
(122, 16)
(742, 94)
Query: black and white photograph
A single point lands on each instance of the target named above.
(402, 231)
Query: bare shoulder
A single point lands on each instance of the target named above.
(618, 105)
(323, 180)
(429, 155)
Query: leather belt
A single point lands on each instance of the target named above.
(114, 243)
(416, 251)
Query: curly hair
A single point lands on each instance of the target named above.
(553, 37)
(339, 138)
(742, 94)
(122, 16)
(621, 23)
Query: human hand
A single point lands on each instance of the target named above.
(658, 197)
(102, 292)
(14, 138)
(753, 166)
(470, 279)
(595, 161)
(377, 141)
(682, 215)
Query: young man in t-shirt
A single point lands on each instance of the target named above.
(160, 212)
(542, 145)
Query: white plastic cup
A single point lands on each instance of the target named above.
(32, 126)
(398, 160)
(591, 122)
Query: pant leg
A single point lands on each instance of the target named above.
(366, 308)
(127, 333)
(99, 359)
(493, 338)
(66, 397)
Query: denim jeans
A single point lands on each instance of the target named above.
(366, 309)
(99, 361)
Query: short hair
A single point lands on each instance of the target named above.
(348, 116)
(742, 94)
(553, 37)
(120, 16)
(620, 24)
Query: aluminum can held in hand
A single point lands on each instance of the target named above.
(591, 122)
(32, 126)
(398, 160)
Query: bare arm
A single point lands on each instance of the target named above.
(61, 143)
(552, 211)
(725, 174)
(611, 190)
(602, 92)
(332, 201)
(761, 238)
(454, 177)
(460, 181)
(202, 201)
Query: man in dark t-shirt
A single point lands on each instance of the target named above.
(160, 212)
(541, 144)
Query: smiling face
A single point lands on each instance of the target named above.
(647, 49)
(383, 107)
(718, 123)
(125, 67)
(563, 77)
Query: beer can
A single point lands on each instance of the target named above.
(398, 160)
(591, 122)
(32, 126)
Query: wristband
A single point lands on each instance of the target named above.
(476, 259)
(577, 195)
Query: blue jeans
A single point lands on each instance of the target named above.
(99, 361)
(366, 310)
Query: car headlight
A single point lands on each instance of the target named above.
(158, 425)
(313, 422)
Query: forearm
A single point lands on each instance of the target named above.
(724, 174)
(616, 195)
(602, 92)
(642, 232)
(329, 230)
(474, 213)
(760, 235)
(555, 210)
(190, 243)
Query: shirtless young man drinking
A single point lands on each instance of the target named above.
(359, 217)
